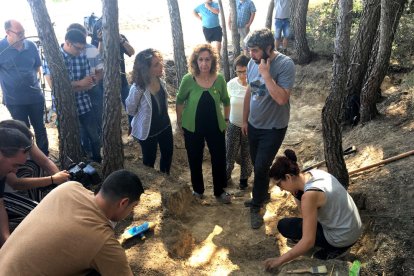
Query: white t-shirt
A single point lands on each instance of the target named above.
(236, 92)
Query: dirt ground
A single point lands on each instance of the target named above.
(207, 238)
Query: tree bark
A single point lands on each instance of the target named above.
(113, 152)
(391, 11)
(363, 47)
(299, 12)
(225, 55)
(235, 36)
(332, 132)
(269, 16)
(178, 41)
(67, 116)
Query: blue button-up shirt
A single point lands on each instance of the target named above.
(78, 68)
(244, 11)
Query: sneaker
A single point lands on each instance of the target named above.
(197, 195)
(324, 254)
(248, 203)
(224, 198)
(243, 184)
(256, 219)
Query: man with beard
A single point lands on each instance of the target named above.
(270, 78)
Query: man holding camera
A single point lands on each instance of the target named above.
(82, 81)
(14, 146)
(19, 66)
(74, 231)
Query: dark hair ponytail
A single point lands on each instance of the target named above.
(285, 165)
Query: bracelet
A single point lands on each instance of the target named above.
(51, 177)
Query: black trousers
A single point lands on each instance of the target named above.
(149, 150)
(194, 144)
(264, 144)
(291, 228)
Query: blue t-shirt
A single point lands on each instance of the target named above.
(18, 74)
(208, 19)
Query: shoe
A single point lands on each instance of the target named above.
(243, 184)
(224, 198)
(256, 219)
(197, 195)
(324, 254)
(248, 203)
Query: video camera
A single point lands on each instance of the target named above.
(84, 173)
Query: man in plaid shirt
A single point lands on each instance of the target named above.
(81, 79)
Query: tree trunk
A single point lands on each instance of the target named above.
(299, 12)
(332, 132)
(225, 55)
(391, 11)
(67, 116)
(234, 32)
(113, 152)
(269, 15)
(363, 47)
(178, 41)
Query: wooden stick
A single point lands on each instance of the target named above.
(388, 160)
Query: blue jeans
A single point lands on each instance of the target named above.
(264, 144)
(32, 114)
(96, 95)
(282, 25)
(89, 135)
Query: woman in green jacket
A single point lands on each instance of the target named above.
(202, 93)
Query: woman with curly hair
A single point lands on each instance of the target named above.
(147, 102)
(330, 219)
(201, 96)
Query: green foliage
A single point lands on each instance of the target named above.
(321, 25)
(403, 46)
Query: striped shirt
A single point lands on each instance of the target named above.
(78, 68)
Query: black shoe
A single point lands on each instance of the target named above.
(243, 184)
(324, 254)
(256, 219)
(248, 203)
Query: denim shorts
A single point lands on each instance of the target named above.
(282, 25)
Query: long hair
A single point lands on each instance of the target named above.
(142, 64)
(192, 61)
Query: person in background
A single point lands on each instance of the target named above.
(71, 231)
(19, 65)
(330, 219)
(266, 112)
(245, 13)
(96, 93)
(235, 141)
(148, 104)
(282, 24)
(82, 81)
(34, 181)
(14, 147)
(202, 94)
(208, 12)
(125, 48)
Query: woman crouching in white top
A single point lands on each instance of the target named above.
(330, 218)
